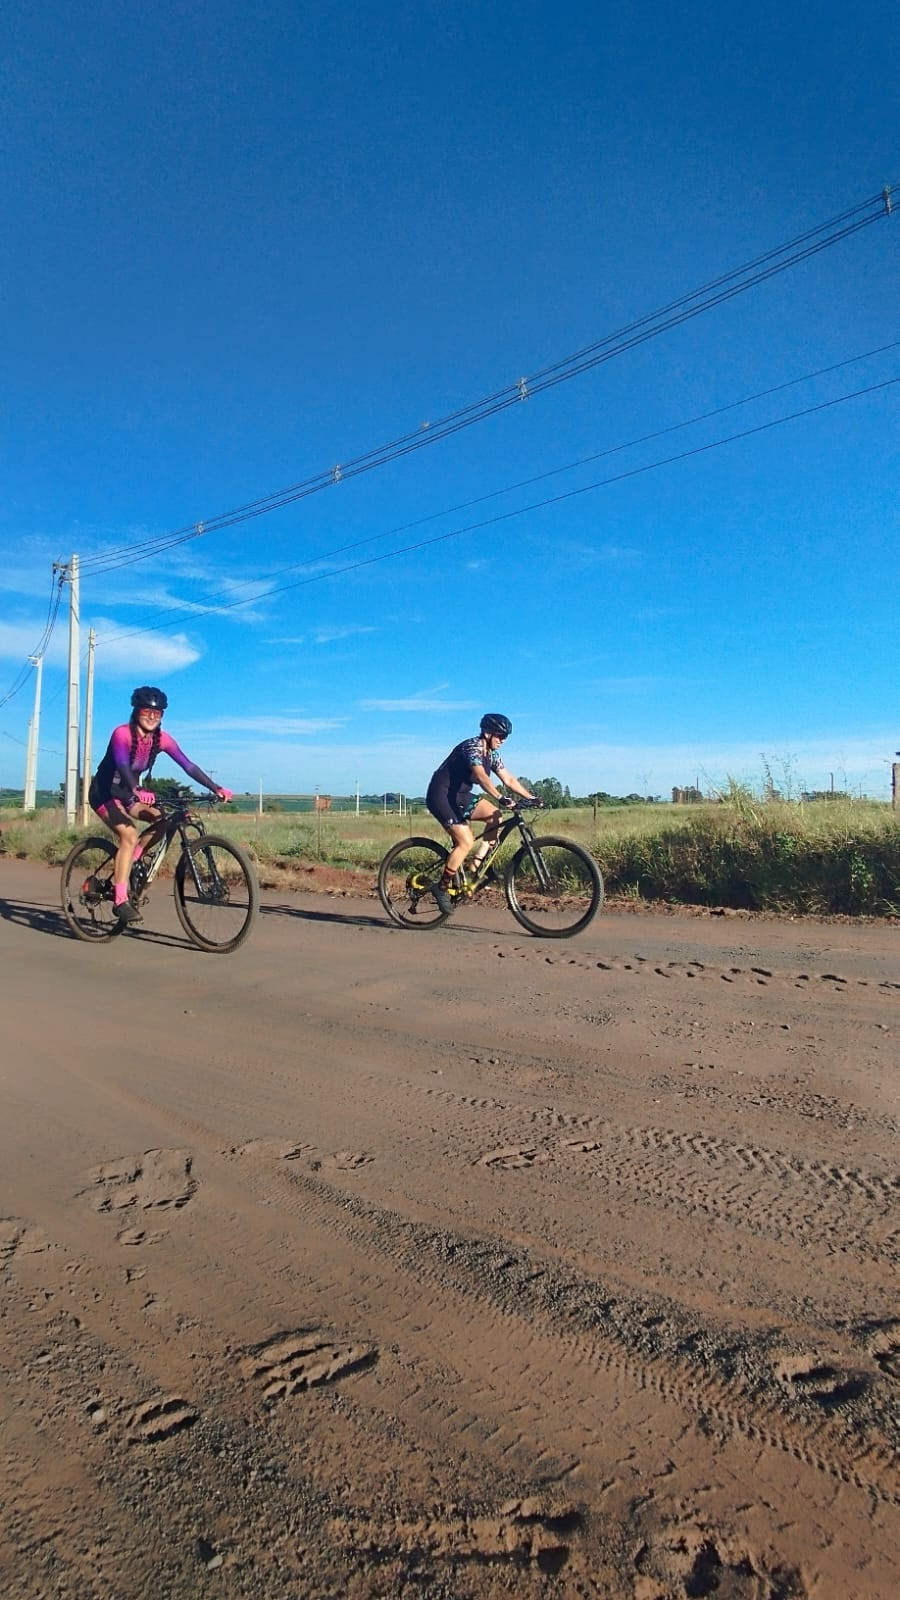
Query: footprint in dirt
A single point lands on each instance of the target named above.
(293, 1363)
(158, 1179)
(521, 1533)
(883, 1340)
(687, 1561)
(513, 1156)
(158, 1420)
(20, 1238)
(823, 1383)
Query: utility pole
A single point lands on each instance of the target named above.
(88, 729)
(69, 574)
(31, 753)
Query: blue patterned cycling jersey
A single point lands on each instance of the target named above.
(450, 790)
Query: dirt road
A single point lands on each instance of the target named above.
(364, 1262)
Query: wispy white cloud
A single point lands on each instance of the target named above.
(133, 653)
(418, 703)
(18, 639)
(140, 654)
(165, 600)
(568, 553)
(423, 700)
(795, 765)
(32, 582)
(327, 635)
(274, 727)
(265, 748)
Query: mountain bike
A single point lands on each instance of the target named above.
(215, 885)
(552, 886)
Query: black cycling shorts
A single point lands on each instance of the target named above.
(451, 811)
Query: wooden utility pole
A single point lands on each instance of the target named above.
(895, 784)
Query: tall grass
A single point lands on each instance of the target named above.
(747, 853)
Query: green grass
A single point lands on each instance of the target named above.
(814, 858)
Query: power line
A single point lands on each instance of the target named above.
(716, 292)
(684, 309)
(52, 614)
(541, 477)
(539, 505)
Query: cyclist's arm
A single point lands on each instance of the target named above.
(170, 748)
(485, 781)
(509, 780)
(120, 745)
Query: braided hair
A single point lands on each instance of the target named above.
(154, 745)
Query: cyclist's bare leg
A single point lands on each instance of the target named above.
(463, 838)
(127, 837)
(152, 834)
(489, 814)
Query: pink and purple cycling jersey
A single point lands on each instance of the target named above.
(117, 777)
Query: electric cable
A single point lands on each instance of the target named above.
(541, 477)
(685, 308)
(570, 494)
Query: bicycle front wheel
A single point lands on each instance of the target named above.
(406, 878)
(87, 890)
(216, 893)
(556, 891)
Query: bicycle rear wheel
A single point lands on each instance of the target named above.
(87, 890)
(406, 878)
(557, 892)
(216, 893)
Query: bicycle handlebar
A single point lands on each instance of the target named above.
(184, 800)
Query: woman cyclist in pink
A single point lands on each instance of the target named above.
(116, 794)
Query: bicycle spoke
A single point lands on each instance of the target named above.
(556, 891)
(87, 890)
(406, 878)
(216, 894)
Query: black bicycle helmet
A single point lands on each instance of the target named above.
(495, 722)
(148, 698)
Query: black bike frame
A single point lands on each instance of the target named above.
(178, 819)
(515, 823)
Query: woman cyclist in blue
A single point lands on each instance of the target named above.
(116, 793)
(450, 797)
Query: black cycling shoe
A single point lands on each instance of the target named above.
(442, 896)
(126, 912)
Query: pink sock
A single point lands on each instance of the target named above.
(120, 893)
(138, 852)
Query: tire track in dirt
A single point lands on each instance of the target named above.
(841, 1210)
(733, 1382)
(749, 977)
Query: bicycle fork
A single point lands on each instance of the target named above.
(537, 861)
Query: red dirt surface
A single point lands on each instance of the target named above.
(366, 1262)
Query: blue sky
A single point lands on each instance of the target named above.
(245, 245)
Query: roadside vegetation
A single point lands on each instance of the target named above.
(825, 856)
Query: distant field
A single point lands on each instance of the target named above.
(813, 858)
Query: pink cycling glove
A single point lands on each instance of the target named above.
(224, 794)
(145, 796)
